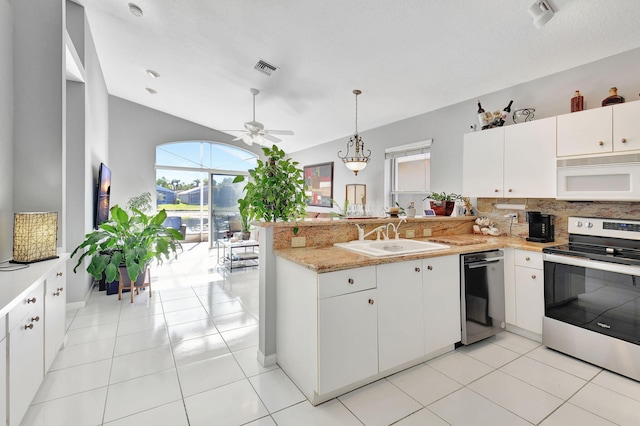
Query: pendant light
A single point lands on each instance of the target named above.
(358, 160)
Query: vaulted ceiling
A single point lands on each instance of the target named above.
(407, 56)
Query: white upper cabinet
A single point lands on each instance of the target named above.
(626, 127)
(514, 161)
(585, 132)
(482, 165)
(529, 159)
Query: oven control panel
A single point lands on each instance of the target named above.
(605, 227)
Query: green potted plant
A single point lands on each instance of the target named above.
(276, 188)
(127, 244)
(243, 207)
(442, 203)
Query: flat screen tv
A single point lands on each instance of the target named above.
(103, 194)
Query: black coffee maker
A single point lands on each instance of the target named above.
(540, 227)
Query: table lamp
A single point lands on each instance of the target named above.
(34, 236)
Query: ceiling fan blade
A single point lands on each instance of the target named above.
(271, 138)
(246, 138)
(281, 132)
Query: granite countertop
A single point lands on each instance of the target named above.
(329, 259)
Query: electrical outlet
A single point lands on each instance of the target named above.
(298, 242)
(513, 216)
(410, 233)
(426, 232)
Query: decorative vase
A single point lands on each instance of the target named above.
(613, 98)
(443, 208)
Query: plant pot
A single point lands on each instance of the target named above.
(126, 281)
(443, 208)
(410, 212)
(246, 235)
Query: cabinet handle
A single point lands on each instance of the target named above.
(623, 140)
(417, 269)
(371, 301)
(59, 274)
(527, 258)
(60, 289)
(57, 293)
(28, 326)
(510, 190)
(600, 143)
(430, 268)
(350, 281)
(533, 277)
(35, 319)
(32, 300)
(496, 190)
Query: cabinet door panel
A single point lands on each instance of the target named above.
(400, 312)
(529, 298)
(26, 363)
(483, 158)
(441, 288)
(530, 159)
(585, 132)
(348, 339)
(626, 127)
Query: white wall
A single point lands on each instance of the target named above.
(6, 131)
(134, 133)
(87, 140)
(549, 95)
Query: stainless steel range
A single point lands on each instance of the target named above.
(592, 294)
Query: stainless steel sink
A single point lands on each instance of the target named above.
(397, 247)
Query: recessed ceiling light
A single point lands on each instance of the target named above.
(150, 90)
(135, 10)
(153, 74)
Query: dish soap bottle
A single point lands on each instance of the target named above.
(613, 98)
(577, 102)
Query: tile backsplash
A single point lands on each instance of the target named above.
(561, 209)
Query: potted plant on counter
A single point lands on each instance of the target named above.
(275, 190)
(127, 244)
(442, 203)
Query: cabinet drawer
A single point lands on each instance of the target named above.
(33, 299)
(530, 259)
(347, 281)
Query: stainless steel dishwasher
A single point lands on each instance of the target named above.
(481, 295)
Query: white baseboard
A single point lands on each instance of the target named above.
(266, 361)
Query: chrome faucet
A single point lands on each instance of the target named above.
(362, 235)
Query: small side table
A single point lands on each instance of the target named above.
(241, 254)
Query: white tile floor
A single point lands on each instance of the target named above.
(186, 356)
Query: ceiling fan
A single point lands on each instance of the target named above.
(254, 131)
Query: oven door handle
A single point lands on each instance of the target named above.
(592, 264)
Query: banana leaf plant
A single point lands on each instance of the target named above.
(128, 241)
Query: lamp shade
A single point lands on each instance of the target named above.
(35, 236)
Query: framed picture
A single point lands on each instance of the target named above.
(318, 179)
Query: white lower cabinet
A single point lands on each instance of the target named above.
(340, 330)
(400, 313)
(348, 340)
(3, 369)
(529, 279)
(55, 301)
(26, 352)
(441, 301)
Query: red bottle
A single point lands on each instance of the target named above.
(577, 102)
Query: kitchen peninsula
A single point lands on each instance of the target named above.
(337, 320)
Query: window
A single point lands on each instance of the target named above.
(408, 173)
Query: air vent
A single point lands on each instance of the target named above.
(265, 67)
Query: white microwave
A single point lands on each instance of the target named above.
(604, 178)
